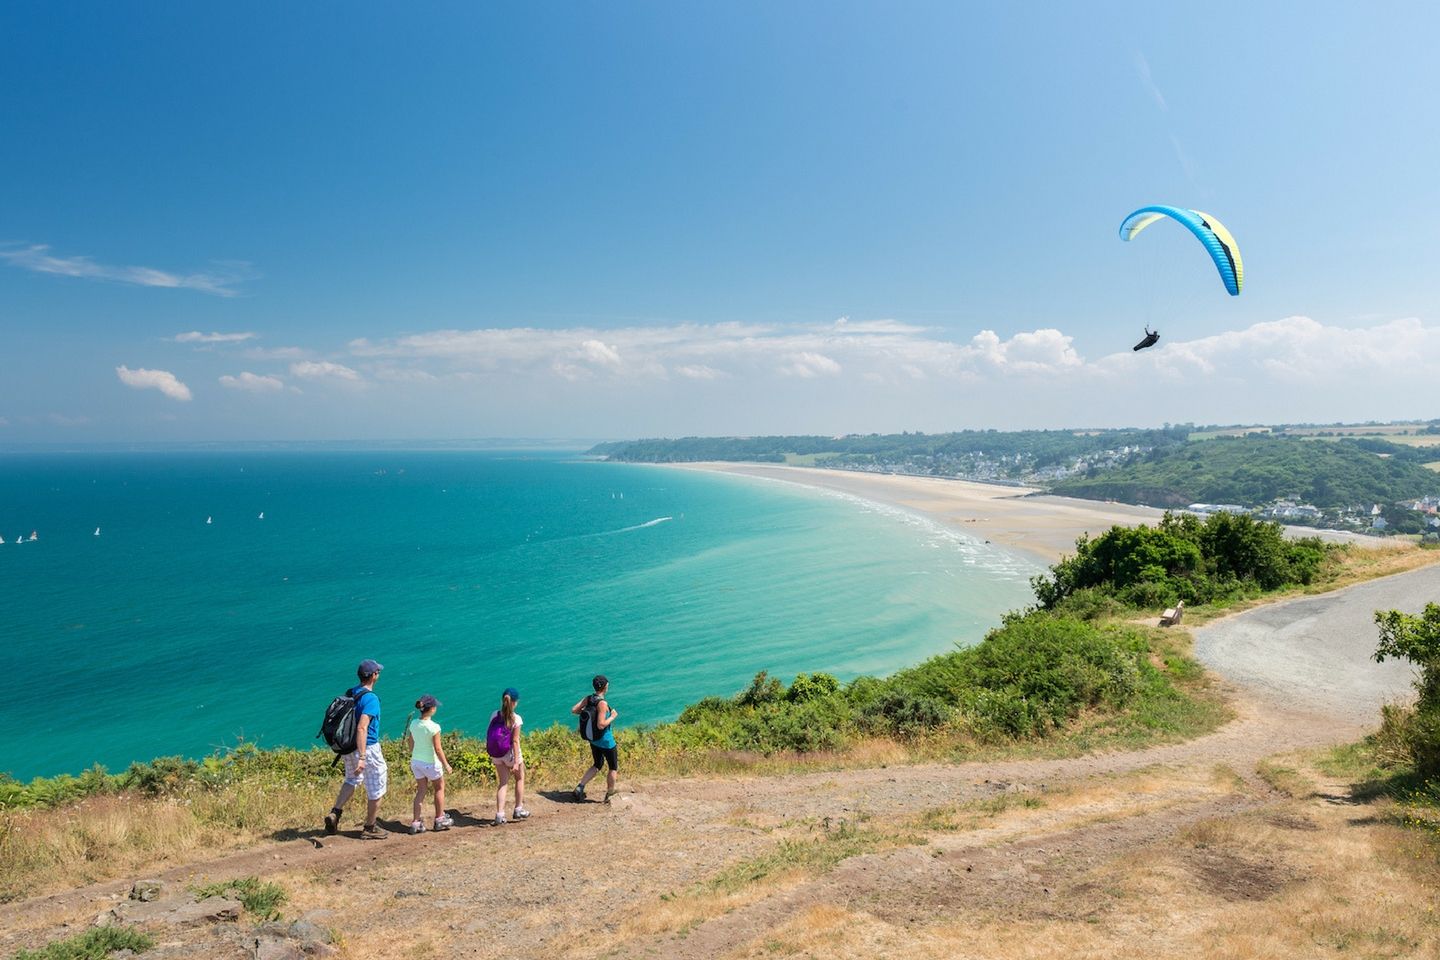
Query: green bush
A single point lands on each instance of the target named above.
(906, 715)
(762, 690)
(1417, 639)
(1183, 557)
(93, 944)
(806, 727)
(1034, 673)
(258, 897)
(812, 686)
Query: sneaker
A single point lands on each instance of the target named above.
(500, 820)
(332, 822)
(578, 793)
(373, 831)
(417, 827)
(609, 794)
(521, 813)
(444, 822)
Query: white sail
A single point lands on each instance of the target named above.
(262, 515)
(209, 519)
(97, 531)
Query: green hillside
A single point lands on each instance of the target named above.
(1257, 469)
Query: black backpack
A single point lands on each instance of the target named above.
(589, 721)
(342, 718)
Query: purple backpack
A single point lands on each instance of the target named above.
(499, 739)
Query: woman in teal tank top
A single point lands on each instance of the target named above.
(600, 716)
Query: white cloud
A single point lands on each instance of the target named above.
(403, 375)
(601, 354)
(810, 365)
(848, 375)
(698, 371)
(322, 370)
(253, 382)
(276, 353)
(162, 380)
(195, 336)
(37, 258)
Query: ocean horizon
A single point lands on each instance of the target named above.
(185, 601)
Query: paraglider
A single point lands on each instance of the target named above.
(1218, 242)
(1211, 232)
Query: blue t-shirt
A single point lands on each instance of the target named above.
(607, 741)
(369, 706)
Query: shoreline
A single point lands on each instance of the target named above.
(1041, 526)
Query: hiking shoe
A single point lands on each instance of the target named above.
(373, 831)
(521, 813)
(444, 822)
(500, 820)
(332, 822)
(417, 827)
(578, 793)
(609, 794)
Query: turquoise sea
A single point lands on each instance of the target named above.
(463, 572)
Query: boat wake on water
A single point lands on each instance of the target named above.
(639, 526)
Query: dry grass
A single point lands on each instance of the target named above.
(1285, 778)
(1302, 878)
(101, 838)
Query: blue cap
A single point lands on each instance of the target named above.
(512, 693)
(368, 668)
(426, 702)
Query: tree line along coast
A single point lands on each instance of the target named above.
(1380, 479)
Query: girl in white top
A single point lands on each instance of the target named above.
(510, 764)
(428, 763)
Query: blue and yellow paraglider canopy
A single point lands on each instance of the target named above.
(1211, 232)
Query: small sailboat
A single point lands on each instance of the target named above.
(97, 531)
(2, 539)
(34, 535)
(262, 515)
(209, 519)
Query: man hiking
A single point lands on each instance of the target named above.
(366, 764)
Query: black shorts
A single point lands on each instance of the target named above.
(604, 755)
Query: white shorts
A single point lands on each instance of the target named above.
(426, 771)
(376, 776)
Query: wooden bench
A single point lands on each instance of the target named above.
(1172, 616)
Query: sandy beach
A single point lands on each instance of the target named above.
(1042, 526)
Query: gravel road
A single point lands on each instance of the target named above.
(1315, 652)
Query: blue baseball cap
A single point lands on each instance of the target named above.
(368, 668)
(512, 693)
(426, 702)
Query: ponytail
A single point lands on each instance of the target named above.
(507, 711)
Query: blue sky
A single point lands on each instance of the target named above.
(634, 219)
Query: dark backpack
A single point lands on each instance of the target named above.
(342, 721)
(590, 729)
(499, 739)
